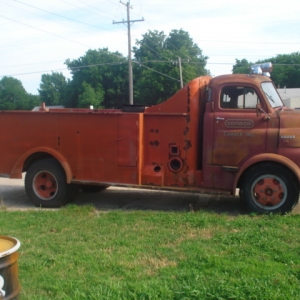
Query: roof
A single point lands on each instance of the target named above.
(239, 78)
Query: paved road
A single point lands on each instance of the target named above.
(13, 196)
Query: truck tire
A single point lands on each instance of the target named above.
(269, 188)
(45, 184)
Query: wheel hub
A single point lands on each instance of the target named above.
(269, 191)
(45, 185)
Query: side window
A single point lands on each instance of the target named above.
(238, 97)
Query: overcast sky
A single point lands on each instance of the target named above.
(38, 36)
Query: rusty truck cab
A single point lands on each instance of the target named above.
(251, 141)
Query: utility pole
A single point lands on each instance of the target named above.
(180, 72)
(129, 22)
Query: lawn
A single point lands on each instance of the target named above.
(81, 253)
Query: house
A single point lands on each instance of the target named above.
(290, 97)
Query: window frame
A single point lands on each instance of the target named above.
(244, 95)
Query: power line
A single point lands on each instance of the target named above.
(159, 54)
(162, 48)
(31, 64)
(248, 42)
(70, 19)
(92, 6)
(97, 65)
(203, 40)
(157, 71)
(70, 69)
(56, 35)
(53, 34)
(129, 23)
(141, 63)
(99, 27)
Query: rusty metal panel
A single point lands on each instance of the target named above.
(237, 135)
(21, 132)
(289, 129)
(89, 143)
(86, 142)
(127, 140)
(97, 146)
(165, 149)
(92, 145)
(217, 178)
(173, 138)
(175, 105)
(272, 135)
(163, 139)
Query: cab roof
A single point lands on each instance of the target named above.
(239, 79)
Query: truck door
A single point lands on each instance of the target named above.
(238, 130)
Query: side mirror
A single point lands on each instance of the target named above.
(260, 110)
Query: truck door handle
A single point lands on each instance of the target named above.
(220, 119)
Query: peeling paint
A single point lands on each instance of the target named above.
(186, 130)
(188, 145)
(154, 143)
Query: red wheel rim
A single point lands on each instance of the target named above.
(269, 191)
(45, 185)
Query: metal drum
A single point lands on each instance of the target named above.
(9, 281)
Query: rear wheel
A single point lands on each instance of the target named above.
(269, 188)
(45, 184)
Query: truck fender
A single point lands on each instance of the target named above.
(16, 171)
(271, 157)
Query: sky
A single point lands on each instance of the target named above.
(37, 37)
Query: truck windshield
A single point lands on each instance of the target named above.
(271, 94)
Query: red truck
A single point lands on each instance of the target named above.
(215, 135)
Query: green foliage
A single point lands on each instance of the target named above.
(14, 97)
(155, 71)
(100, 77)
(105, 72)
(241, 66)
(53, 89)
(82, 253)
(157, 68)
(90, 96)
(286, 69)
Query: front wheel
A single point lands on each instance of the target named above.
(45, 184)
(269, 188)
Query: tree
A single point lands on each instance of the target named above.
(155, 72)
(90, 96)
(53, 89)
(157, 69)
(33, 101)
(286, 69)
(106, 72)
(241, 66)
(13, 95)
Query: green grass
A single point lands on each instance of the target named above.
(80, 253)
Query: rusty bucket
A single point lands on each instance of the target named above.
(9, 281)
